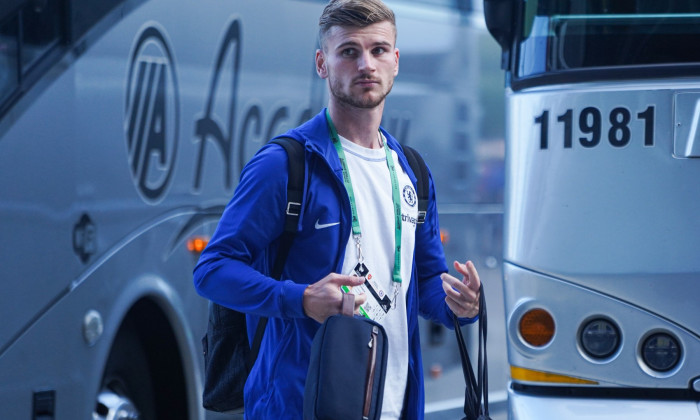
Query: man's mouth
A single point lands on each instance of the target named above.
(366, 82)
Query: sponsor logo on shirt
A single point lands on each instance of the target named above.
(407, 218)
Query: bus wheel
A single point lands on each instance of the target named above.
(127, 388)
(112, 406)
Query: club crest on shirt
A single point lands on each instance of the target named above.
(409, 195)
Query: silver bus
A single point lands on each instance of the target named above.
(602, 234)
(123, 127)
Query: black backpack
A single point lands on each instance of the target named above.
(228, 356)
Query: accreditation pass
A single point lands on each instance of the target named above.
(378, 303)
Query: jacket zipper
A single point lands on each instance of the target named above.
(370, 371)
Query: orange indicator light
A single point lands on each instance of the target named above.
(537, 327)
(529, 375)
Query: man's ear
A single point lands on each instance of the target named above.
(321, 64)
(396, 67)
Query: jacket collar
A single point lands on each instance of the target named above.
(315, 134)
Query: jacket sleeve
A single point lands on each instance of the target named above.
(232, 270)
(430, 264)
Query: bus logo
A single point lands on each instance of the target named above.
(152, 114)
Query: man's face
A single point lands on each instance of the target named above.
(359, 63)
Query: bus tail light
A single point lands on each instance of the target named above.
(196, 244)
(537, 327)
(529, 375)
(444, 236)
(600, 338)
(661, 352)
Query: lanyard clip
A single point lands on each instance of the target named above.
(358, 247)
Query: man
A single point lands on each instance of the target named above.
(359, 60)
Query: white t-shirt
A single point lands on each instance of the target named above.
(373, 197)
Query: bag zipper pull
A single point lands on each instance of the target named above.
(370, 372)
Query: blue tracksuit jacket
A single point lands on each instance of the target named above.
(233, 269)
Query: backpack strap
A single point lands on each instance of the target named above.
(295, 196)
(415, 160)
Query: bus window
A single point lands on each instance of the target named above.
(9, 79)
(40, 30)
(84, 14)
(563, 35)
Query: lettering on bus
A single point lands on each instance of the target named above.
(617, 129)
(207, 125)
(152, 114)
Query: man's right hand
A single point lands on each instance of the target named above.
(324, 298)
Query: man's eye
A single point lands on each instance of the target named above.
(379, 50)
(348, 52)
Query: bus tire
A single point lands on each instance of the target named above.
(127, 385)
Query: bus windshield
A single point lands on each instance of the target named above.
(568, 35)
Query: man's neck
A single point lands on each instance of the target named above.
(358, 125)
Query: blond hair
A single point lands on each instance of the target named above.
(353, 14)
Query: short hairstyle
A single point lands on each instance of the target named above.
(353, 14)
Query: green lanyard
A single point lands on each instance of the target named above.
(396, 198)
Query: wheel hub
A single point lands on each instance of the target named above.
(112, 406)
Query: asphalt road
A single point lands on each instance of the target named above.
(451, 386)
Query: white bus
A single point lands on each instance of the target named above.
(602, 234)
(123, 127)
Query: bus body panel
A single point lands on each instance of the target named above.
(54, 356)
(84, 172)
(564, 212)
(67, 156)
(600, 222)
(531, 407)
(571, 306)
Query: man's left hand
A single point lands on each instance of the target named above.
(462, 296)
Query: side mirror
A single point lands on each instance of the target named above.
(499, 16)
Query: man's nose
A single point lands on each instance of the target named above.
(365, 62)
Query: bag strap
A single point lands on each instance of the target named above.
(295, 196)
(477, 387)
(417, 164)
(348, 305)
(482, 333)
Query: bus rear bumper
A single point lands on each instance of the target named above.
(523, 406)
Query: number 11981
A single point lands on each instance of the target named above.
(592, 127)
